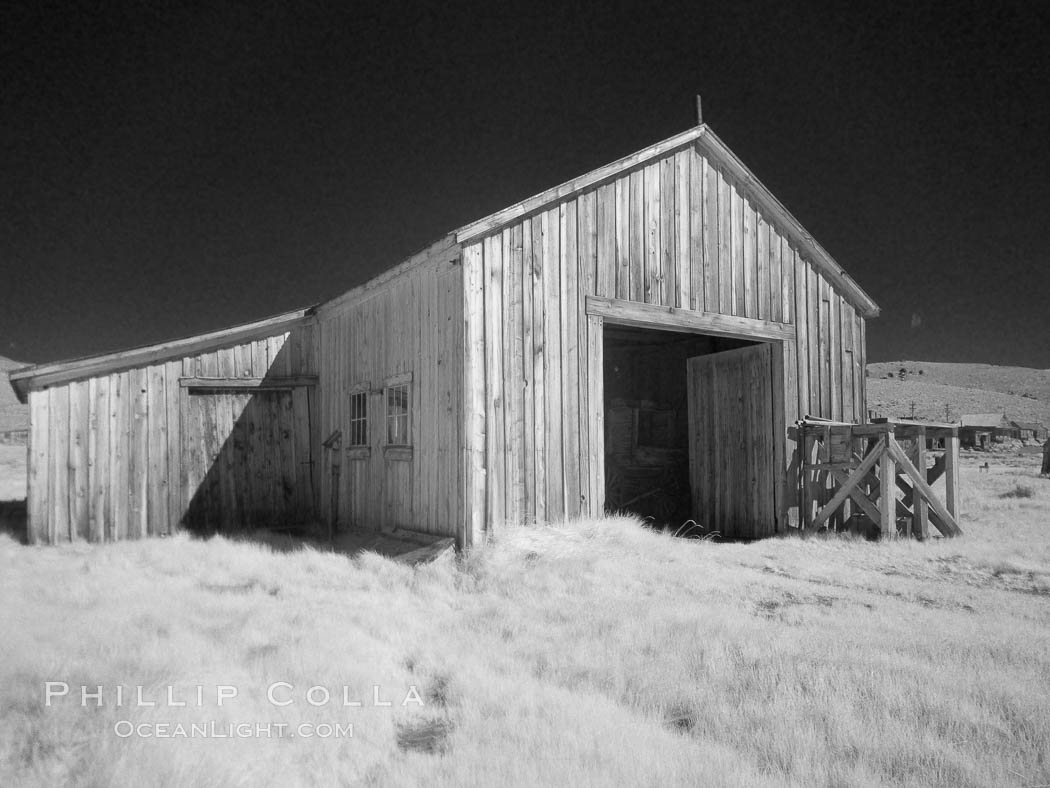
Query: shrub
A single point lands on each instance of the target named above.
(1019, 491)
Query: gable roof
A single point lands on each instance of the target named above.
(1028, 425)
(38, 375)
(983, 420)
(704, 138)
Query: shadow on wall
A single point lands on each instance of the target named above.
(14, 521)
(247, 445)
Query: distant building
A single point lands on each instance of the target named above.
(980, 430)
(1030, 430)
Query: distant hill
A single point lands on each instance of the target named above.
(1022, 393)
(13, 414)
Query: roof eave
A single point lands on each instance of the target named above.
(36, 376)
(710, 143)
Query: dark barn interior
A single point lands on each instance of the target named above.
(647, 420)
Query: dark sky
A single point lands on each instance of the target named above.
(167, 169)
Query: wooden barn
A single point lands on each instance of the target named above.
(641, 337)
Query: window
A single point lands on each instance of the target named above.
(397, 413)
(359, 418)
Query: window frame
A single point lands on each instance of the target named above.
(358, 451)
(398, 451)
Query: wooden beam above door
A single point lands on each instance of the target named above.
(270, 384)
(633, 313)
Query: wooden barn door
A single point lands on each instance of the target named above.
(731, 441)
(248, 453)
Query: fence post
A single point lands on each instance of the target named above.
(951, 475)
(888, 492)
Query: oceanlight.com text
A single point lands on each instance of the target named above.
(233, 730)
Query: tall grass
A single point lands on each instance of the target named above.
(594, 652)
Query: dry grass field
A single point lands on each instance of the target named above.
(593, 653)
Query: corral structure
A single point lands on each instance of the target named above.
(656, 324)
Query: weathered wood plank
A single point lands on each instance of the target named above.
(172, 394)
(920, 506)
(139, 453)
(157, 451)
(697, 232)
(749, 242)
(666, 232)
(790, 508)
(235, 383)
(303, 453)
(778, 393)
(813, 304)
(58, 407)
(492, 251)
(777, 285)
(596, 411)
(609, 276)
(765, 293)
(38, 476)
(513, 372)
(638, 235)
(802, 346)
(825, 350)
(570, 370)
(951, 475)
(888, 491)
(552, 330)
(835, 379)
(585, 287)
(528, 370)
(711, 220)
(474, 495)
(736, 230)
(93, 466)
(630, 313)
(79, 404)
(539, 363)
(620, 224)
(682, 266)
(724, 215)
(119, 437)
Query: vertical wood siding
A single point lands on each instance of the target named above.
(678, 232)
(411, 324)
(117, 456)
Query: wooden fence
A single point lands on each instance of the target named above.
(878, 475)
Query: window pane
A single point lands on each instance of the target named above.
(359, 419)
(397, 412)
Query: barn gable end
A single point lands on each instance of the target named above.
(680, 236)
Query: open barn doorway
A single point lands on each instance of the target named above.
(689, 431)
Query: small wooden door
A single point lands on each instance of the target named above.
(247, 457)
(731, 442)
